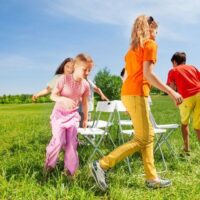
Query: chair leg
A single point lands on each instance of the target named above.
(158, 146)
(163, 159)
(127, 159)
(159, 141)
(96, 149)
(164, 139)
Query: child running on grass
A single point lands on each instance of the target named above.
(186, 80)
(69, 90)
(140, 61)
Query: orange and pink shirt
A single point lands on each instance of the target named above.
(135, 83)
(186, 78)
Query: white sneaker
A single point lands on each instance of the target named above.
(162, 183)
(99, 175)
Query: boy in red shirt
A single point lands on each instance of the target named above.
(186, 80)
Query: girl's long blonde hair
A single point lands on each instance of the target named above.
(141, 30)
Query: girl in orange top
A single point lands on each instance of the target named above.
(140, 60)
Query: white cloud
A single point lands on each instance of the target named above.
(46, 61)
(183, 12)
(166, 32)
(15, 62)
(169, 13)
(117, 12)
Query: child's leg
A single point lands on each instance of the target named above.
(196, 116)
(54, 147)
(198, 134)
(185, 134)
(71, 156)
(186, 109)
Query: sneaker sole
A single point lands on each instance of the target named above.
(164, 186)
(95, 178)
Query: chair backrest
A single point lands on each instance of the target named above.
(153, 121)
(121, 111)
(105, 106)
(123, 119)
(120, 106)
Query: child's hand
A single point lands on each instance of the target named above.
(178, 99)
(103, 97)
(34, 97)
(84, 124)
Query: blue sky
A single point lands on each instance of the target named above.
(35, 36)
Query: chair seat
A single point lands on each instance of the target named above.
(91, 131)
(159, 130)
(126, 122)
(128, 132)
(131, 132)
(166, 126)
(99, 124)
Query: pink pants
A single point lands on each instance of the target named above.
(64, 130)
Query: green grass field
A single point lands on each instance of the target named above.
(25, 131)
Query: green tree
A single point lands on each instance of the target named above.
(22, 98)
(109, 84)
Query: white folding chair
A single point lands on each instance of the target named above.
(163, 138)
(125, 124)
(98, 122)
(102, 107)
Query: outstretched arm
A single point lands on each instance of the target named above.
(98, 91)
(156, 82)
(43, 92)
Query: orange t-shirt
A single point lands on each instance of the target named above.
(135, 83)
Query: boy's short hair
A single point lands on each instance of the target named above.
(179, 58)
(83, 58)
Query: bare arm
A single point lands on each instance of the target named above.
(156, 82)
(43, 92)
(98, 91)
(85, 110)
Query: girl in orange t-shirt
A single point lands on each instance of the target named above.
(139, 63)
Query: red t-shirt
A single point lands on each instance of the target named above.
(186, 78)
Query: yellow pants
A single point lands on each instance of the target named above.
(191, 107)
(143, 139)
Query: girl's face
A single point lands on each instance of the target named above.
(153, 33)
(69, 68)
(153, 27)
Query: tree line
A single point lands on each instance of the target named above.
(22, 99)
(109, 84)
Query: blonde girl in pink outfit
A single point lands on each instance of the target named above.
(69, 91)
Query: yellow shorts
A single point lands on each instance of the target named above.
(191, 107)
